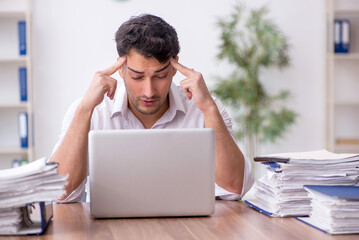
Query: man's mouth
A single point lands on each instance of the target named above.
(148, 102)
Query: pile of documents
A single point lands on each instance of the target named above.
(37, 181)
(335, 209)
(280, 192)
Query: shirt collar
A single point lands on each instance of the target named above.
(121, 101)
(121, 104)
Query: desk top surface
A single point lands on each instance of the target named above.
(231, 220)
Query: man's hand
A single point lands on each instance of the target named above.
(101, 84)
(194, 87)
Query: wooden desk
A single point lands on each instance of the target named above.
(232, 220)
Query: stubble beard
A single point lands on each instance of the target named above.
(136, 103)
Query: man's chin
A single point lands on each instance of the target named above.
(148, 110)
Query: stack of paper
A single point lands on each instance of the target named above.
(335, 209)
(37, 181)
(280, 192)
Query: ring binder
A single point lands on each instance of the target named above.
(34, 219)
(22, 37)
(23, 129)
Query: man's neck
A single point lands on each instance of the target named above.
(148, 120)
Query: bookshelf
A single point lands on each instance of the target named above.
(11, 12)
(342, 80)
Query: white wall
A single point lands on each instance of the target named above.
(73, 39)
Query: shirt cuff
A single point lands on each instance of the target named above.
(76, 195)
(248, 181)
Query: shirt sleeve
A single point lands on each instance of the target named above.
(77, 194)
(248, 178)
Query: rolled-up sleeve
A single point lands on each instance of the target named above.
(78, 193)
(248, 178)
(248, 181)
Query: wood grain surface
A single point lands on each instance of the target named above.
(231, 220)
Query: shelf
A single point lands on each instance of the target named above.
(346, 148)
(14, 150)
(346, 103)
(347, 12)
(344, 56)
(20, 59)
(342, 104)
(14, 105)
(12, 14)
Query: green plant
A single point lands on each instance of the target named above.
(252, 44)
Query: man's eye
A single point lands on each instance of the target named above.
(162, 77)
(137, 78)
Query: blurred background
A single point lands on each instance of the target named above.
(71, 40)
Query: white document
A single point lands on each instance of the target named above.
(314, 157)
(34, 182)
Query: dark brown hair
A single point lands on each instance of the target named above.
(150, 36)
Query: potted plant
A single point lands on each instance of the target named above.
(252, 43)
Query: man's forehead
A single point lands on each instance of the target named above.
(140, 63)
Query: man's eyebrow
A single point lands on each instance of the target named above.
(157, 71)
(160, 70)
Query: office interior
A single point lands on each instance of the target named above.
(71, 40)
(68, 41)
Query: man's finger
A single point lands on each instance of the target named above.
(111, 70)
(184, 70)
(186, 89)
(111, 87)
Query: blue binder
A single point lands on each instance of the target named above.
(335, 192)
(45, 212)
(23, 84)
(259, 209)
(22, 37)
(341, 35)
(23, 130)
(36, 217)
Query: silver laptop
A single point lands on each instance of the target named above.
(151, 173)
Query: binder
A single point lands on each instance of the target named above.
(337, 191)
(33, 219)
(330, 201)
(280, 192)
(22, 37)
(337, 27)
(23, 84)
(17, 163)
(255, 205)
(23, 130)
(341, 35)
(26, 195)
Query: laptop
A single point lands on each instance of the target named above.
(151, 173)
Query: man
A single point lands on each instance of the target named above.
(148, 59)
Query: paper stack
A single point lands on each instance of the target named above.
(37, 181)
(335, 209)
(280, 192)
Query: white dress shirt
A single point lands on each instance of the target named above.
(182, 113)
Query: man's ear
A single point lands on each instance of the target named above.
(120, 70)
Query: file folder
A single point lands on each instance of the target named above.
(22, 37)
(23, 84)
(23, 130)
(337, 191)
(335, 209)
(341, 35)
(253, 204)
(35, 217)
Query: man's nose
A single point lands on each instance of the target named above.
(148, 88)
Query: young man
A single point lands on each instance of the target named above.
(148, 59)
